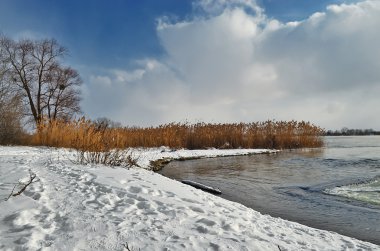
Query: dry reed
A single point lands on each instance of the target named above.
(85, 135)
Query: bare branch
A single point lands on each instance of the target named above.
(32, 176)
(10, 195)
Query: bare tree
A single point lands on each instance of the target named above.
(61, 97)
(48, 89)
(10, 113)
(104, 123)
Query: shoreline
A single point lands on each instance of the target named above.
(101, 208)
(156, 158)
(258, 198)
(158, 162)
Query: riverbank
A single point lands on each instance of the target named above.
(156, 158)
(70, 207)
(333, 188)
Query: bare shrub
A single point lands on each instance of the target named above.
(114, 157)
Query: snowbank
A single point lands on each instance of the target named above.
(146, 157)
(72, 207)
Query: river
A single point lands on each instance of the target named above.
(335, 188)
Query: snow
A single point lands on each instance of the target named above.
(145, 156)
(74, 207)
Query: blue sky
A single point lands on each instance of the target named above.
(146, 62)
(100, 33)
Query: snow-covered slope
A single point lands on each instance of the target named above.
(73, 207)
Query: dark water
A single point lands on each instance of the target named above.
(295, 185)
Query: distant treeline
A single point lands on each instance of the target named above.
(352, 132)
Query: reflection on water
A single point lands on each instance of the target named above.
(291, 184)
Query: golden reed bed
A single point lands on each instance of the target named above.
(86, 135)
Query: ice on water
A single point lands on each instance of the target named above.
(368, 192)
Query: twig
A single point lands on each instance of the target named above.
(126, 246)
(279, 247)
(32, 177)
(11, 192)
(25, 185)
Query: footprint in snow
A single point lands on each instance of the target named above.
(197, 209)
(134, 189)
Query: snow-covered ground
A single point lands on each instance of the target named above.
(74, 207)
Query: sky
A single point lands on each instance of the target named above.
(150, 62)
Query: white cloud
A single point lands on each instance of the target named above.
(239, 66)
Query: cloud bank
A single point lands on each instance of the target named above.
(232, 63)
